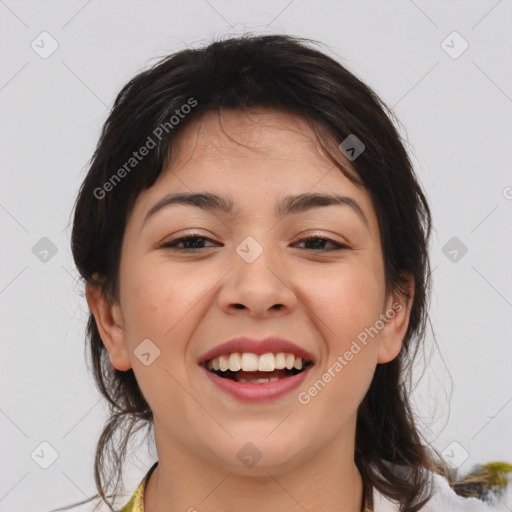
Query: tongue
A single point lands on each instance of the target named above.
(281, 374)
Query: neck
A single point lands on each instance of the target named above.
(327, 482)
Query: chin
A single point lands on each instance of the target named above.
(256, 455)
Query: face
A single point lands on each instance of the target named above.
(313, 276)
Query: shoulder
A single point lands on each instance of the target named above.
(444, 499)
(133, 503)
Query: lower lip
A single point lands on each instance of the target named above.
(262, 392)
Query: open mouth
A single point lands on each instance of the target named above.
(257, 369)
(257, 377)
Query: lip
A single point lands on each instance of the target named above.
(254, 393)
(245, 344)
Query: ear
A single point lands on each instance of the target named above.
(109, 320)
(397, 313)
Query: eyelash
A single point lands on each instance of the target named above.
(174, 243)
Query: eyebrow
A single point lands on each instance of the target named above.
(288, 205)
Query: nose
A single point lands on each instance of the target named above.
(258, 289)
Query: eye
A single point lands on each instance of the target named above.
(194, 242)
(189, 243)
(318, 243)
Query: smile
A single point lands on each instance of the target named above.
(252, 368)
(253, 378)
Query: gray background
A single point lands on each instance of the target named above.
(456, 114)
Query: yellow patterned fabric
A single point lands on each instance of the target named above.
(136, 503)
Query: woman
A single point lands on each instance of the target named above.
(254, 245)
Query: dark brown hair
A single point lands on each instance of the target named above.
(273, 72)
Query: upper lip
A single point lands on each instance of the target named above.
(271, 344)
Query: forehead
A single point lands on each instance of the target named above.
(255, 158)
(258, 150)
(237, 133)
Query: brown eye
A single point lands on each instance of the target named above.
(187, 243)
(317, 243)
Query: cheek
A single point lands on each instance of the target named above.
(152, 301)
(346, 301)
(161, 302)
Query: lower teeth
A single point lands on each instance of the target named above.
(257, 381)
(247, 378)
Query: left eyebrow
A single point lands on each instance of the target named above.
(288, 205)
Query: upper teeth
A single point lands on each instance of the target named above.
(249, 362)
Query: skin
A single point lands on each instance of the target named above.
(188, 302)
